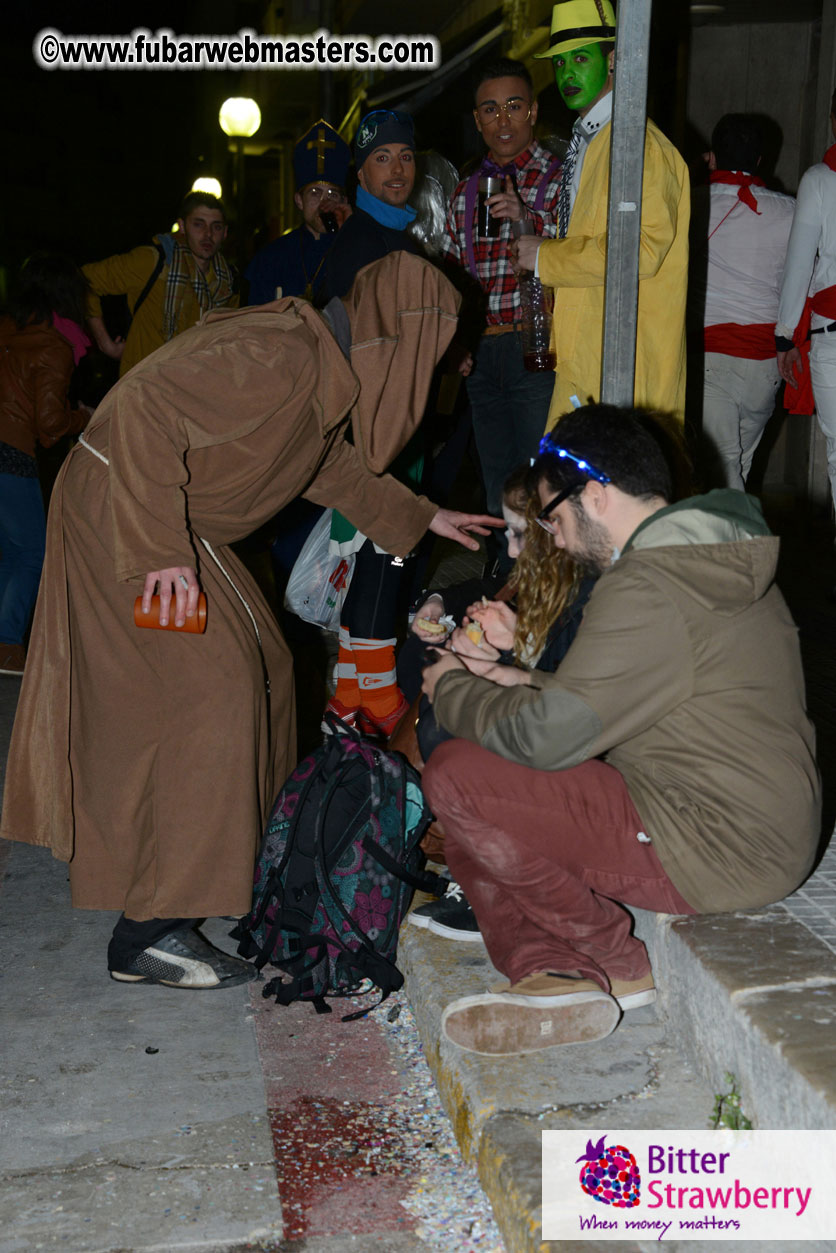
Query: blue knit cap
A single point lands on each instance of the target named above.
(383, 126)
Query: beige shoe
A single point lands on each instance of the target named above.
(632, 993)
(540, 1012)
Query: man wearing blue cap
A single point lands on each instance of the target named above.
(367, 689)
(293, 265)
(384, 156)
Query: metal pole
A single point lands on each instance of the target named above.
(618, 362)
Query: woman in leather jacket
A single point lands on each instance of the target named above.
(41, 341)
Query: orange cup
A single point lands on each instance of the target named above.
(194, 625)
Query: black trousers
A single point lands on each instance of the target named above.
(130, 938)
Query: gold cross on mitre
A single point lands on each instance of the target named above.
(320, 143)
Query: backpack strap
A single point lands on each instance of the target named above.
(256, 914)
(426, 881)
(367, 959)
(155, 274)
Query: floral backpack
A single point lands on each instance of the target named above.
(338, 864)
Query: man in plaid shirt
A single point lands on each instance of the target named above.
(509, 404)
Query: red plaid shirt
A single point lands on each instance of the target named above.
(492, 262)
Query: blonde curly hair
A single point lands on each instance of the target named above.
(544, 579)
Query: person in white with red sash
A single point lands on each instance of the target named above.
(740, 231)
(808, 300)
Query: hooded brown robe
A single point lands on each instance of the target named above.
(150, 759)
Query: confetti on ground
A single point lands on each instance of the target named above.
(446, 1197)
(387, 1165)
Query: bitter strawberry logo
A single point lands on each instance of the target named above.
(610, 1175)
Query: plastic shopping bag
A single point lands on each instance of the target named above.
(319, 579)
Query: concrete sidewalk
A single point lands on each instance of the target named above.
(128, 1121)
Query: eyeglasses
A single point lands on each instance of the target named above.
(542, 519)
(550, 448)
(515, 109)
(324, 193)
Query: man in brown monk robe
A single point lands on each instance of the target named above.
(149, 759)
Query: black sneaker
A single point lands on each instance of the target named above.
(451, 916)
(183, 959)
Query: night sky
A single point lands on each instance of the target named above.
(95, 162)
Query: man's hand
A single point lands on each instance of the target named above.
(788, 362)
(523, 252)
(110, 347)
(507, 204)
(457, 359)
(183, 581)
(506, 676)
(451, 524)
(447, 660)
(498, 621)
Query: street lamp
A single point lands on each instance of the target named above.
(210, 186)
(239, 118)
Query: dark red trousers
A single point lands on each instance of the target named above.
(544, 857)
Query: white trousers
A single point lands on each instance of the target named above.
(823, 376)
(738, 401)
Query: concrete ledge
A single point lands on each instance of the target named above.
(753, 993)
(475, 1089)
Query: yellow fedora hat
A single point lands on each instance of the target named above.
(576, 23)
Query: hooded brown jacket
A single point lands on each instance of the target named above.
(686, 677)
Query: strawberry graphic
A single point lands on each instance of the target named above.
(610, 1174)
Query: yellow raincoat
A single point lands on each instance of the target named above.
(576, 266)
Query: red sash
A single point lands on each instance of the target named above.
(799, 399)
(755, 342)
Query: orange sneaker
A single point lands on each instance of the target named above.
(377, 727)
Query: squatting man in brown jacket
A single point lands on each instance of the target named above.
(668, 764)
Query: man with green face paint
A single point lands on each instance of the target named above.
(582, 51)
(582, 75)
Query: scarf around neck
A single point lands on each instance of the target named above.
(386, 214)
(73, 334)
(742, 180)
(211, 290)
